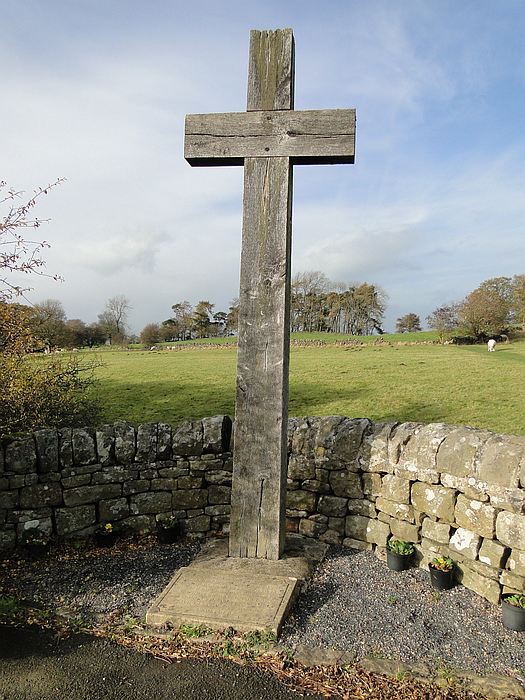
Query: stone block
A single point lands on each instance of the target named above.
(83, 442)
(512, 580)
(398, 439)
(125, 442)
(465, 542)
(438, 532)
(137, 486)
(356, 527)
(474, 515)
(314, 486)
(338, 441)
(331, 537)
(71, 482)
(70, 520)
(404, 531)
(146, 442)
(319, 518)
(19, 480)
(393, 488)
(501, 460)
(373, 454)
(360, 528)
(510, 529)
(346, 484)
(173, 472)
(300, 436)
(219, 494)
(482, 569)
(221, 509)
(201, 523)
(502, 498)
(91, 494)
(469, 485)
(20, 456)
(113, 509)
(337, 524)
(41, 495)
(458, 451)
(152, 502)
(216, 434)
(290, 513)
(117, 474)
(51, 478)
(164, 451)
(309, 528)
(189, 498)
(378, 532)
(222, 478)
(9, 499)
(434, 500)
(65, 447)
(492, 553)
(401, 511)
(371, 484)
(516, 562)
(301, 468)
(188, 439)
(419, 454)
(187, 482)
(47, 450)
(105, 441)
(485, 587)
(332, 505)
(301, 500)
(358, 506)
(357, 544)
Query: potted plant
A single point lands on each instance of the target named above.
(105, 535)
(398, 554)
(513, 611)
(441, 573)
(36, 543)
(169, 529)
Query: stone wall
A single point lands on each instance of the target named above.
(448, 489)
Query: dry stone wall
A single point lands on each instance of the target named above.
(450, 490)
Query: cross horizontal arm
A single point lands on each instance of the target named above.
(312, 136)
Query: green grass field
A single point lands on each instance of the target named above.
(453, 384)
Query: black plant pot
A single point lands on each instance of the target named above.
(105, 539)
(513, 618)
(441, 580)
(37, 551)
(397, 562)
(168, 535)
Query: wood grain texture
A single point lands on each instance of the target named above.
(310, 136)
(257, 526)
(271, 70)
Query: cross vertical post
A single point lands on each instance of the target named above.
(268, 140)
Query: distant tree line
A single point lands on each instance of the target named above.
(494, 308)
(321, 305)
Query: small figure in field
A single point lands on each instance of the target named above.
(491, 345)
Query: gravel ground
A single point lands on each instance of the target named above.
(353, 603)
(356, 604)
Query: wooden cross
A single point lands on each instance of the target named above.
(268, 139)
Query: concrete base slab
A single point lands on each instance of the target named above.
(247, 594)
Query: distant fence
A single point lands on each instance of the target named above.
(450, 490)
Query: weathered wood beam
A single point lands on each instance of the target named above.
(310, 136)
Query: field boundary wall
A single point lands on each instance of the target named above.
(451, 490)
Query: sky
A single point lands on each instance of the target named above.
(96, 91)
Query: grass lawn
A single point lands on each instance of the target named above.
(463, 384)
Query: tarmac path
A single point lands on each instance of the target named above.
(35, 665)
